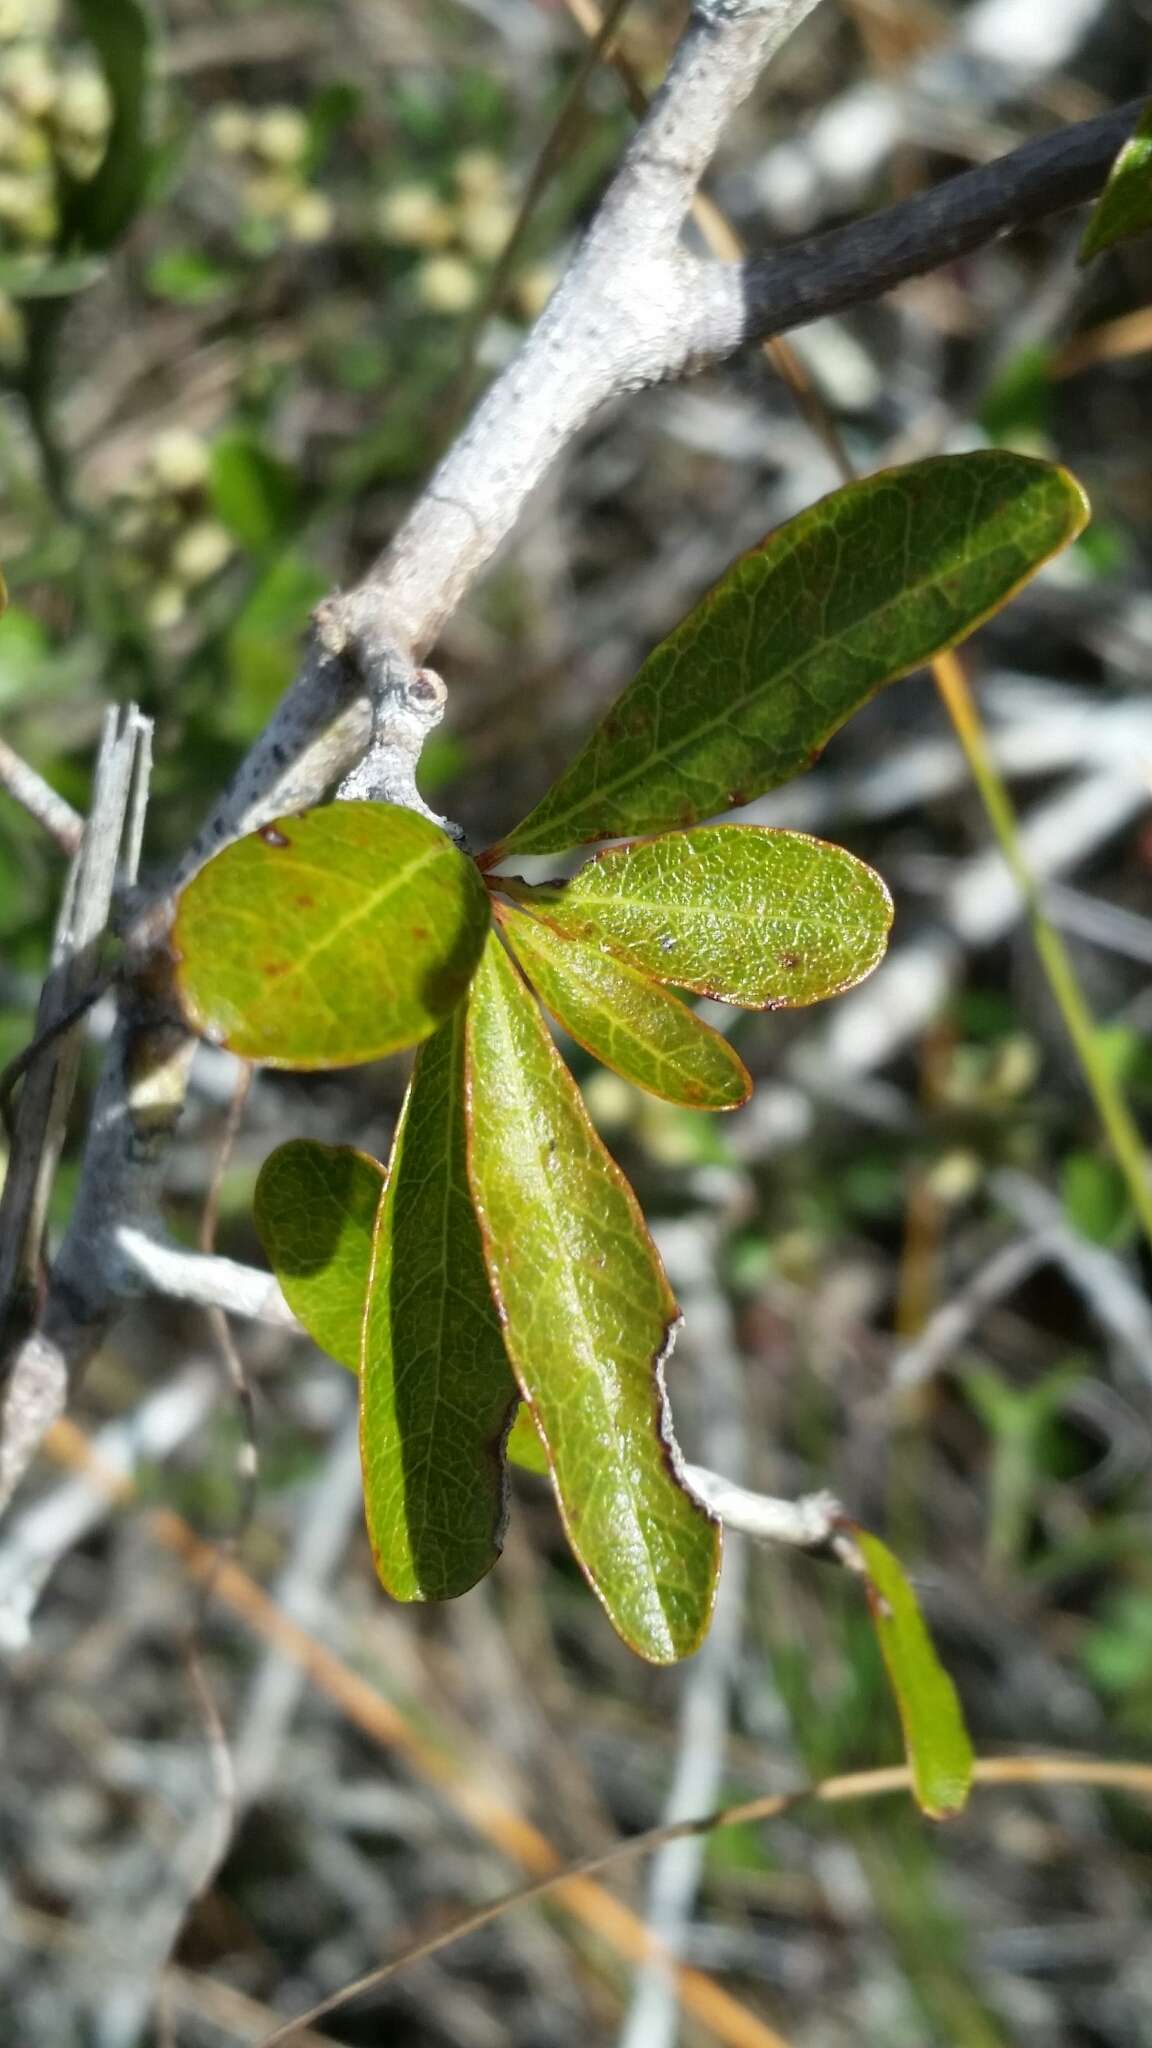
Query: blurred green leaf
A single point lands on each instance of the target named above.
(1096, 1198)
(315, 1208)
(188, 277)
(935, 1738)
(331, 938)
(29, 277)
(857, 590)
(98, 209)
(1125, 206)
(436, 1390)
(253, 493)
(626, 1020)
(588, 1318)
(752, 916)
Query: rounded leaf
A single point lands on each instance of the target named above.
(753, 916)
(330, 938)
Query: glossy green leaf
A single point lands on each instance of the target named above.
(619, 1014)
(436, 1392)
(859, 589)
(935, 1737)
(330, 938)
(98, 209)
(756, 917)
(588, 1320)
(315, 1209)
(1125, 206)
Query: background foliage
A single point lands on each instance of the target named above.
(202, 430)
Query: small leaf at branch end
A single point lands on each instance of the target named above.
(859, 589)
(623, 1017)
(935, 1737)
(331, 938)
(315, 1207)
(524, 1447)
(588, 1318)
(436, 1391)
(1125, 206)
(756, 917)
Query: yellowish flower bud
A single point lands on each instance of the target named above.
(447, 284)
(179, 459)
(479, 174)
(83, 105)
(232, 129)
(29, 81)
(485, 225)
(201, 552)
(414, 217)
(166, 607)
(533, 289)
(280, 135)
(310, 217)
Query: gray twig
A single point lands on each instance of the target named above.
(40, 800)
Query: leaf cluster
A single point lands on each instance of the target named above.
(498, 1276)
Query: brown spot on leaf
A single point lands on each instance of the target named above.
(419, 931)
(272, 837)
(791, 961)
(274, 968)
(304, 902)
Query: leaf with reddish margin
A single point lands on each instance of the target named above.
(588, 1321)
(863, 587)
(625, 1019)
(765, 919)
(331, 938)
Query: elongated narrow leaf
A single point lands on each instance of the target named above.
(861, 588)
(315, 1209)
(588, 1320)
(98, 209)
(759, 918)
(1125, 206)
(935, 1737)
(331, 938)
(619, 1014)
(436, 1392)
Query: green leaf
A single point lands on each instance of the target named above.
(859, 589)
(752, 916)
(98, 209)
(436, 1392)
(935, 1737)
(330, 938)
(253, 493)
(588, 1321)
(524, 1447)
(1125, 206)
(315, 1207)
(619, 1014)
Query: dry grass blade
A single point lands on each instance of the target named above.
(854, 1786)
(723, 2016)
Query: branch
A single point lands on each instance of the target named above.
(40, 800)
(846, 266)
(633, 310)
